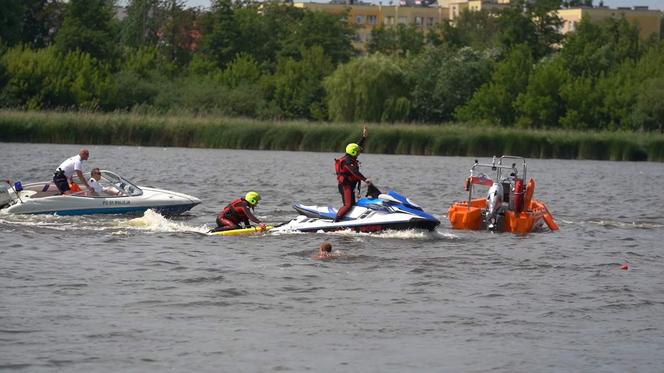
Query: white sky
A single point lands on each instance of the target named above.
(653, 4)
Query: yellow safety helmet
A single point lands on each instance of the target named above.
(252, 198)
(353, 149)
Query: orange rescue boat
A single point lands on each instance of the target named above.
(509, 205)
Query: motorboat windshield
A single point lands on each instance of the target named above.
(112, 181)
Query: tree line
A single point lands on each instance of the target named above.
(270, 60)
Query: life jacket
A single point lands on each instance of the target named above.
(73, 187)
(343, 175)
(234, 211)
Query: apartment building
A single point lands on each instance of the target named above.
(456, 7)
(649, 21)
(366, 17)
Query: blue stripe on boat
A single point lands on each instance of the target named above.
(168, 210)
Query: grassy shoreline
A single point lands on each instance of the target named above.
(238, 133)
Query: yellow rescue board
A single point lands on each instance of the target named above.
(237, 232)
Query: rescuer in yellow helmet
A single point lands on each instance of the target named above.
(349, 176)
(239, 211)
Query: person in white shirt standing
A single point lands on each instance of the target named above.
(64, 174)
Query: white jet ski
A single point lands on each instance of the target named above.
(120, 196)
(370, 214)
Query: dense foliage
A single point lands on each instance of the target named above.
(270, 60)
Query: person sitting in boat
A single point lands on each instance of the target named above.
(239, 211)
(98, 189)
(349, 176)
(63, 178)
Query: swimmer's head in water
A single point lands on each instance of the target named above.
(326, 247)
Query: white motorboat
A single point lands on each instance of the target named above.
(120, 196)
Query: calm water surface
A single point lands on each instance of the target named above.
(81, 294)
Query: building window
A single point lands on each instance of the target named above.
(389, 20)
(371, 20)
(430, 21)
(359, 20)
(419, 21)
(402, 20)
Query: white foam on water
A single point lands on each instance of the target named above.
(154, 222)
(51, 222)
(409, 234)
(279, 232)
(446, 235)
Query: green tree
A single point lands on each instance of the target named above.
(297, 85)
(265, 28)
(272, 30)
(319, 29)
(47, 79)
(533, 23)
(444, 33)
(583, 103)
(597, 47)
(370, 88)
(141, 27)
(88, 27)
(544, 15)
(42, 20)
(478, 30)
(444, 79)
(244, 70)
(221, 33)
(541, 106)
(402, 40)
(178, 34)
(515, 27)
(648, 114)
(142, 61)
(495, 101)
(11, 21)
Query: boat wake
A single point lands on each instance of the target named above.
(409, 234)
(154, 222)
(151, 221)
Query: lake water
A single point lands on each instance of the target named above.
(82, 294)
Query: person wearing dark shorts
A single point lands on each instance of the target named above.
(61, 181)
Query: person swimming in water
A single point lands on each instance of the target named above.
(325, 252)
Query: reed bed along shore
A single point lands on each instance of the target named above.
(237, 133)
